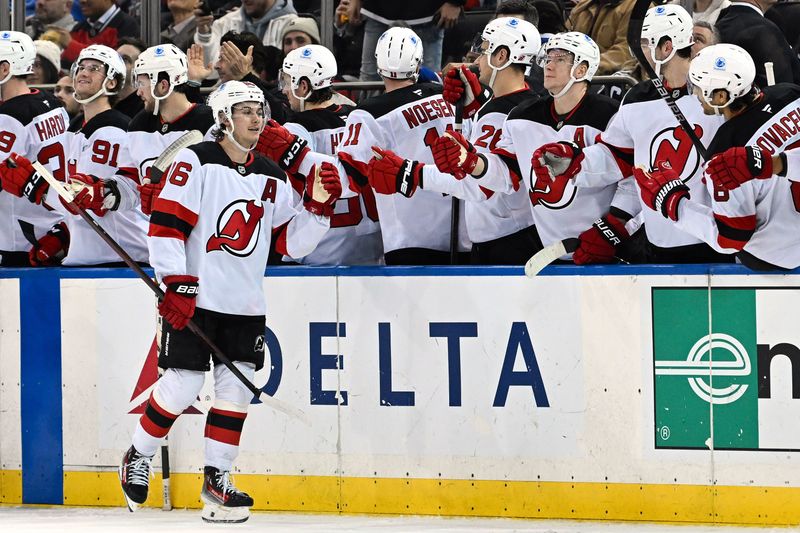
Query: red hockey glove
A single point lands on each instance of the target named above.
(94, 194)
(389, 173)
(18, 177)
(148, 192)
(282, 146)
(323, 188)
(557, 159)
(598, 244)
(735, 166)
(461, 84)
(454, 154)
(177, 306)
(661, 189)
(51, 249)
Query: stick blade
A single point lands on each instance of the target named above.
(548, 254)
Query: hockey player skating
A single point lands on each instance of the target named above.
(210, 234)
(33, 125)
(643, 132)
(499, 225)
(306, 77)
(754, 211)
(99, 167)
(407, 119)
(571, 114)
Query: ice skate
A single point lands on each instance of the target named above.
(222, 501)
(134, 475)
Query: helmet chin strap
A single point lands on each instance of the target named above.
(301, 98)
(229, 134)
(103, 91)
(3, 82)
(495, 69)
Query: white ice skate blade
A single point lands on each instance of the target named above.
(218, 514)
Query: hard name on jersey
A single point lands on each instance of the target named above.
(426, 111)
(782, 128)
(50, 127)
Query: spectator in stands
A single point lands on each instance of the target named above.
(786, 15)
(181, 30)
(129, 102)
(704, 34)
(299, 32)
(551, 18)
(49, 13)
(428, 19)
(706, 10)
(264, 18)
(105, 24)
(241, 57)
(47, 65)
(605, 21)
(743, 24)
(66, 94)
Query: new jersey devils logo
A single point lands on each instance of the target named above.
(561, 191)
(675, 146)
(237, 228)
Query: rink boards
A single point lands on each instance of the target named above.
(652, 393)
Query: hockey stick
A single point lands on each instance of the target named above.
(67, 196)
(163, 162)
(167, 505)
(548, 254)
(635, 44)
(769, 68)
(456, 203)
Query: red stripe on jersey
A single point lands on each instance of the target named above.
(356, 170)
(513, 166)
(129, 172)
(226, 436)
(734, 232)
(157, 230)
(622, 156)
(279, 237)
(170, 207)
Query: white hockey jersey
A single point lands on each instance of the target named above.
(354, 237)
(406, 121)
(643, 132)
(214, 220)
(33, 125)
(101, 148)
(562, 210)
(489, 215)
(149, 135)
(761, 217)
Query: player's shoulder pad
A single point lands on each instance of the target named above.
(199, 117)
(385, 103)
(143, 121)
(26, 107)
(211, 153)
(318, 119)
(505, 104)
(107, 119)
(595, 110)
(645, 91)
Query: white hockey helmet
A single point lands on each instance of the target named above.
(722, 66)
(166, 58)
(671, 21)
(313, 62)
(399, 54)
(520, 37)
(228, 95)
(18, 50)
(584, 50)
(115, 67)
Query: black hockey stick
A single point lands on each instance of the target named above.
(258, 393)
(456, 203)
(635, 43)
